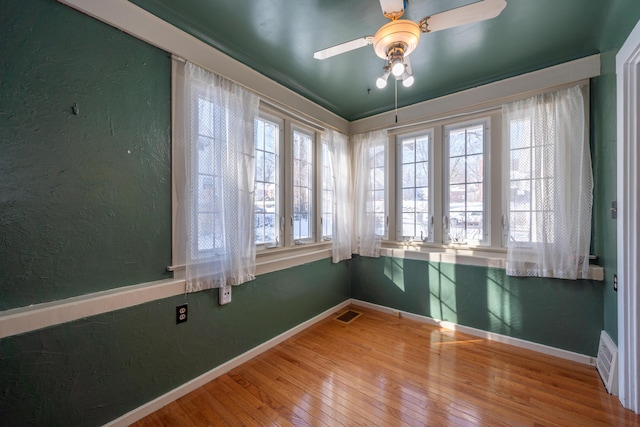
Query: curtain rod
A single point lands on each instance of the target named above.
(272, 103)
(439, 119)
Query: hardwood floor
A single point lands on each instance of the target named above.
(380, 370)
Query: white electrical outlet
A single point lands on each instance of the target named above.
(225, 295)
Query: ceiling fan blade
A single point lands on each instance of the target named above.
(475, 12)
(392, 9)
(343, 47)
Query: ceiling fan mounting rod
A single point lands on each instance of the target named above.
(396, 50)
(393, 15)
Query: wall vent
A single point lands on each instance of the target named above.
(607, 363)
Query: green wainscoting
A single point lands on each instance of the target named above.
(91, 371)
(559, 313)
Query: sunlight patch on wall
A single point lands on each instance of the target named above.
(394, 271)
(442, 292)
(503, 303)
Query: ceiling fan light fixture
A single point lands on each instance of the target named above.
(397, 67)
(408, 81)
(399, 32)
(395, 55)
(381, 83)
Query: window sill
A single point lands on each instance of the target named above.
(477, 256)
(269, 260)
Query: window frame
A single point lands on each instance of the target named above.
(399, 211)
(388, 213)
(325, 168)
(280, 202)
(215, 252)
(485, 123)
(290, 123)
(493, 232)
(313, 204)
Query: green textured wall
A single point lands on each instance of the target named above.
(559, 313)
(604, 141)
(617, 25)
(85, 196)
(93, 370)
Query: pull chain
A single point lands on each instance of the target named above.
(396, 86)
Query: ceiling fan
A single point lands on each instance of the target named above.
(395, 40)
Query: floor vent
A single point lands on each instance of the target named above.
(607, 363)
(348, 316)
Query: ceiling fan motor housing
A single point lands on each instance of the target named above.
(401, 32)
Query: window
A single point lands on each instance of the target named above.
(370, 202)
(303, 177)
(414, 188)
(267, 182)
(328, 194)
(376, 200)
(213, 176)
(209, 225)
(287, 202)
(465, 173)
(442, 192)
(550, 184)
(524, 185)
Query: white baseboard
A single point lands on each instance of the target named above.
(156, 404)
(517, 342)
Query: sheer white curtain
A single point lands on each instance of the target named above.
(369, 208)
(550, 194)
(340, 167)
(218, 179)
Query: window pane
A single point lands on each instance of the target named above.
(408, 151)
(259, 165)
(466, 184)
(457, 143)
(266, 211)
(475, 140)
(457, 170)
(408, 200)
(422, 149)
(408, 225)
(303, 173)
(205, 117)
(271, 131)
(531, 182)
(422, 174)
(259, 140)
(328, 194)
(210, 232)
(408, 175)
(414, 212)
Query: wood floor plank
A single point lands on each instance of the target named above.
(381, 370)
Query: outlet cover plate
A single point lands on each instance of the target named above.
(182, 313)
(225, 295)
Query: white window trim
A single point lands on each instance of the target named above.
(485, 122)
(315, 214)
(430, 131)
